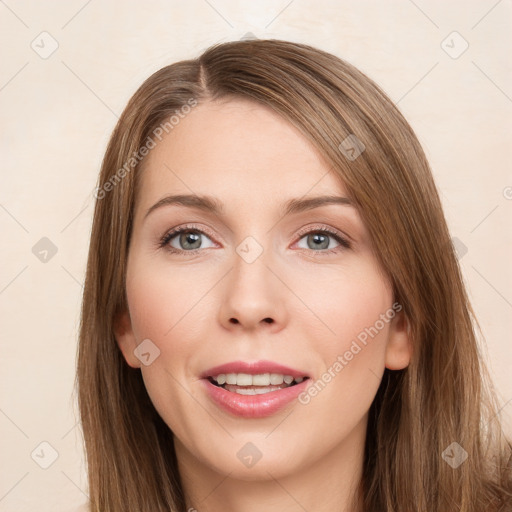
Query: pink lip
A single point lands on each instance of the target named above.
(253, 368)
(253, 406)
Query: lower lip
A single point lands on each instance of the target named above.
(253, 406)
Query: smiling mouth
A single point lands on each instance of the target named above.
(259, 384)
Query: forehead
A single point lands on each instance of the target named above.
(238, 150)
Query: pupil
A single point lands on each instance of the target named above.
(187, 240)
(320, 241)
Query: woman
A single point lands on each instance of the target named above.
(273, 314)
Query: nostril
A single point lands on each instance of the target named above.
(267, 320)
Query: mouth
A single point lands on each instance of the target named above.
(255, 384)
(253, 389)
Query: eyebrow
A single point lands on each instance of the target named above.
(211, 205)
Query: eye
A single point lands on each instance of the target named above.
(185, 239)
(324, 240)
(191, 239)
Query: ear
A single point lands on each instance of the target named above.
(399, 345)
(125, 338)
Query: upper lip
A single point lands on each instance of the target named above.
(252, 368)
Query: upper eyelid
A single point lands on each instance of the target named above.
(321, 227)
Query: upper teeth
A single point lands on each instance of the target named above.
(261, 379)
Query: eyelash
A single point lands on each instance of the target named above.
(164, 241)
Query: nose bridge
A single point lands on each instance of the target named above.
(252, 295)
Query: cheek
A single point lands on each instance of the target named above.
(175, 312)
(162, 303)
(161, 311)
(345, 305)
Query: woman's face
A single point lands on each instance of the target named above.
(255, 280)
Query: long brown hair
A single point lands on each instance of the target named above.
(444, 396)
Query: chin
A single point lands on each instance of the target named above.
(257, 460)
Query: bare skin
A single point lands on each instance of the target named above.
(298, 304)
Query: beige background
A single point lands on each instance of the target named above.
(58, 113)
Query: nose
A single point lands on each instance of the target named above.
(253, 296)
